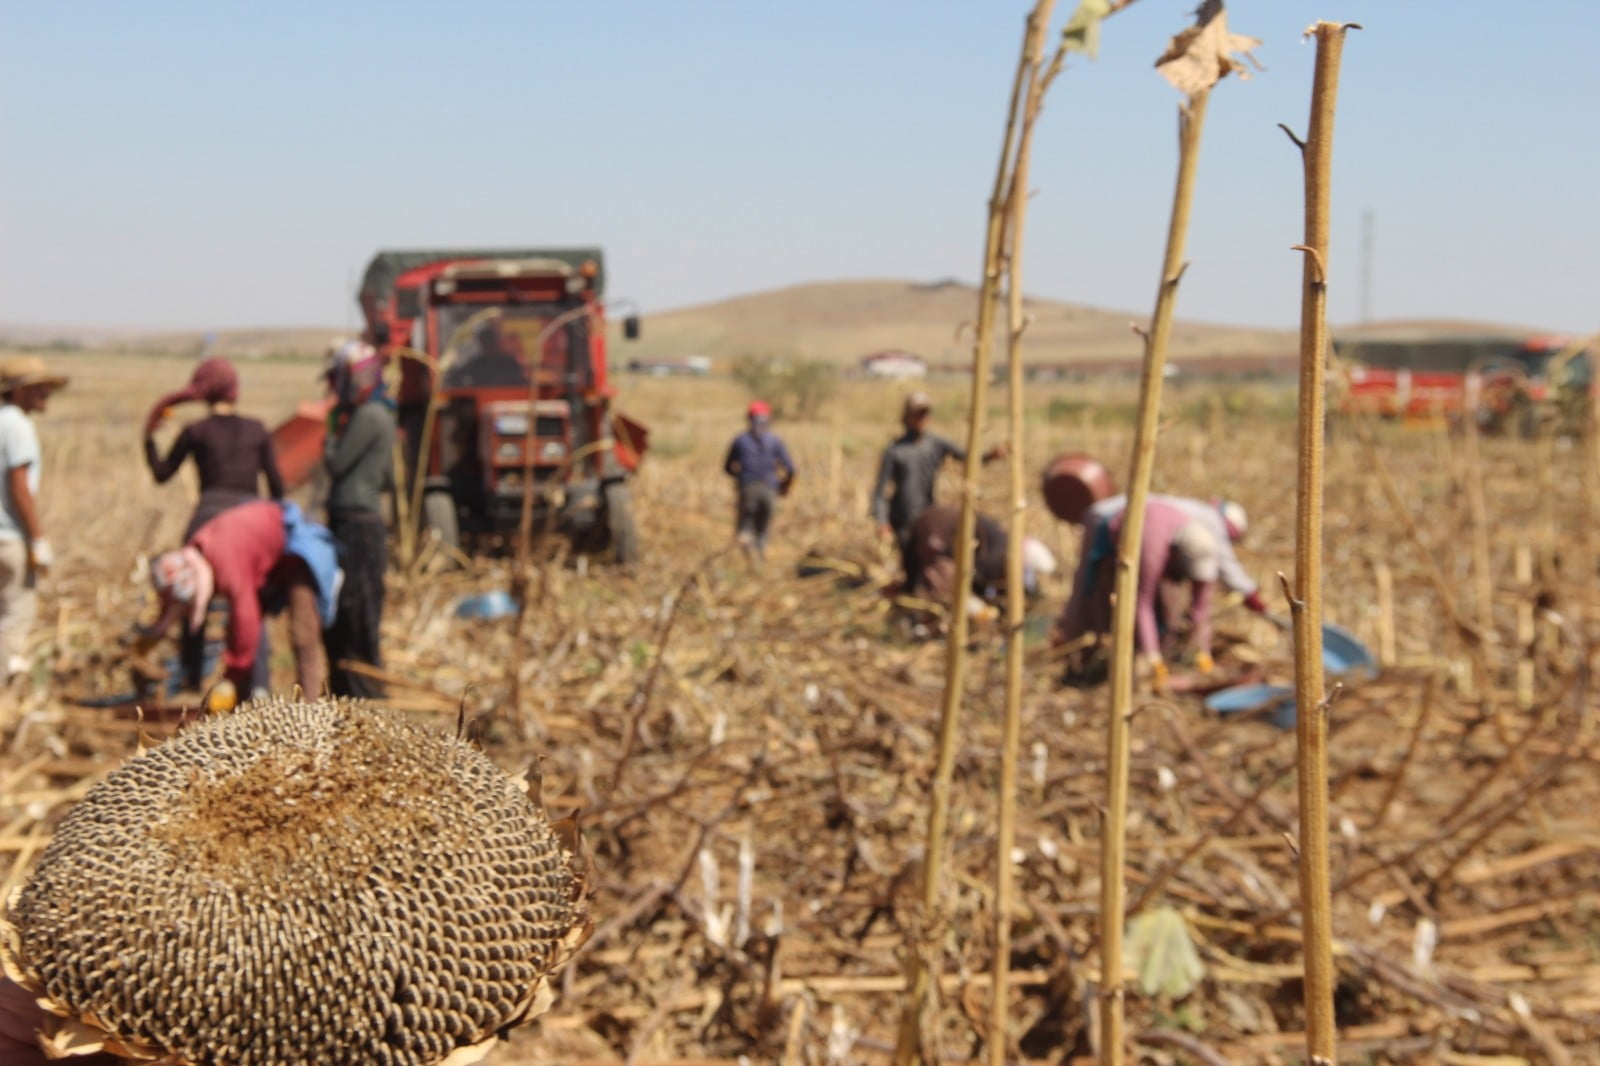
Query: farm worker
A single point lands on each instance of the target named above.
(493, 358)
(360, 463)
(761, 465)
(1176, 547)
(25, 556)
(933, 537)
(232, 454)
(906, 477)
(1228, 523)
(261, 557)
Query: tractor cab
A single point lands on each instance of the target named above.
(505, 403)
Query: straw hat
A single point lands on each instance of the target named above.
(19, 370)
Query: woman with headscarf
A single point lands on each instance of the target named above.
(360, 465)
(262, 557)
(232, 454)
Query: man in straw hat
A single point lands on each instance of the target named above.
(906, 477)
(25, 388)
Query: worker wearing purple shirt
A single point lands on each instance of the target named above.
(759, 462)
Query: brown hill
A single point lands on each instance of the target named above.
(840, 321)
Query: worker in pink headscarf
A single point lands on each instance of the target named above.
(232, 455)
(260, 557)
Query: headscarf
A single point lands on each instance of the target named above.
(1235, 519)
(183, 578)
(214, 381)
(1197, 552)
(354, 371)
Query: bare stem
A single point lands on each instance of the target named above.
(1311, 731)
(919, 1001)
(1113, 844)
(1016, 608)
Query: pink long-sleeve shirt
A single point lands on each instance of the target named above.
(1157, 559)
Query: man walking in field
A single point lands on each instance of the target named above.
(760, 464)
(906, 478)
(25, 556)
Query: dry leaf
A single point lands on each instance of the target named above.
(1203, 55)
(1082, 31)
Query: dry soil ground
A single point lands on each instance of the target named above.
(752, 750)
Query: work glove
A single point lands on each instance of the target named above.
(1158, 676)
(40, 557)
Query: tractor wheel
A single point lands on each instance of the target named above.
(439, 518)
(623, 531)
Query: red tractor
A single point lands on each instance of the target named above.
(504, 402)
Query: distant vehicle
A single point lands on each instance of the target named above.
(1507, 382)
(504, 389)
(694, 365)
(894, 365)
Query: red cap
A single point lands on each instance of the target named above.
(760, 409)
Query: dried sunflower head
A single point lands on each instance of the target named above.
(297, 883)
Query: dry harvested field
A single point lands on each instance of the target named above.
(751, 752)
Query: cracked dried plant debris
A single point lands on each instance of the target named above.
(1205, 53)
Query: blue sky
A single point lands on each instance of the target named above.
(193, 164)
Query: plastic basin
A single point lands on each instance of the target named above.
(1344, 658)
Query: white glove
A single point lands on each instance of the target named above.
(40, 557)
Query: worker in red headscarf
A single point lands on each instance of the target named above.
(233, 455)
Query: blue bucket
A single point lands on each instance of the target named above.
(488, 605)
(1274, 702)
(1344, 658)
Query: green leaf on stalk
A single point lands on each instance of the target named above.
(1082, 31)
(1161, 950)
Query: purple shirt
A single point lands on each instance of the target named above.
(756, 457)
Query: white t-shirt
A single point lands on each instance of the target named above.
(19, 446)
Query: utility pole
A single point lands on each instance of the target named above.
(1366, 266)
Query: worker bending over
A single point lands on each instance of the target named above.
(262, 557)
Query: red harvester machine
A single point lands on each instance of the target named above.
(1508, 382)
(504, 392)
